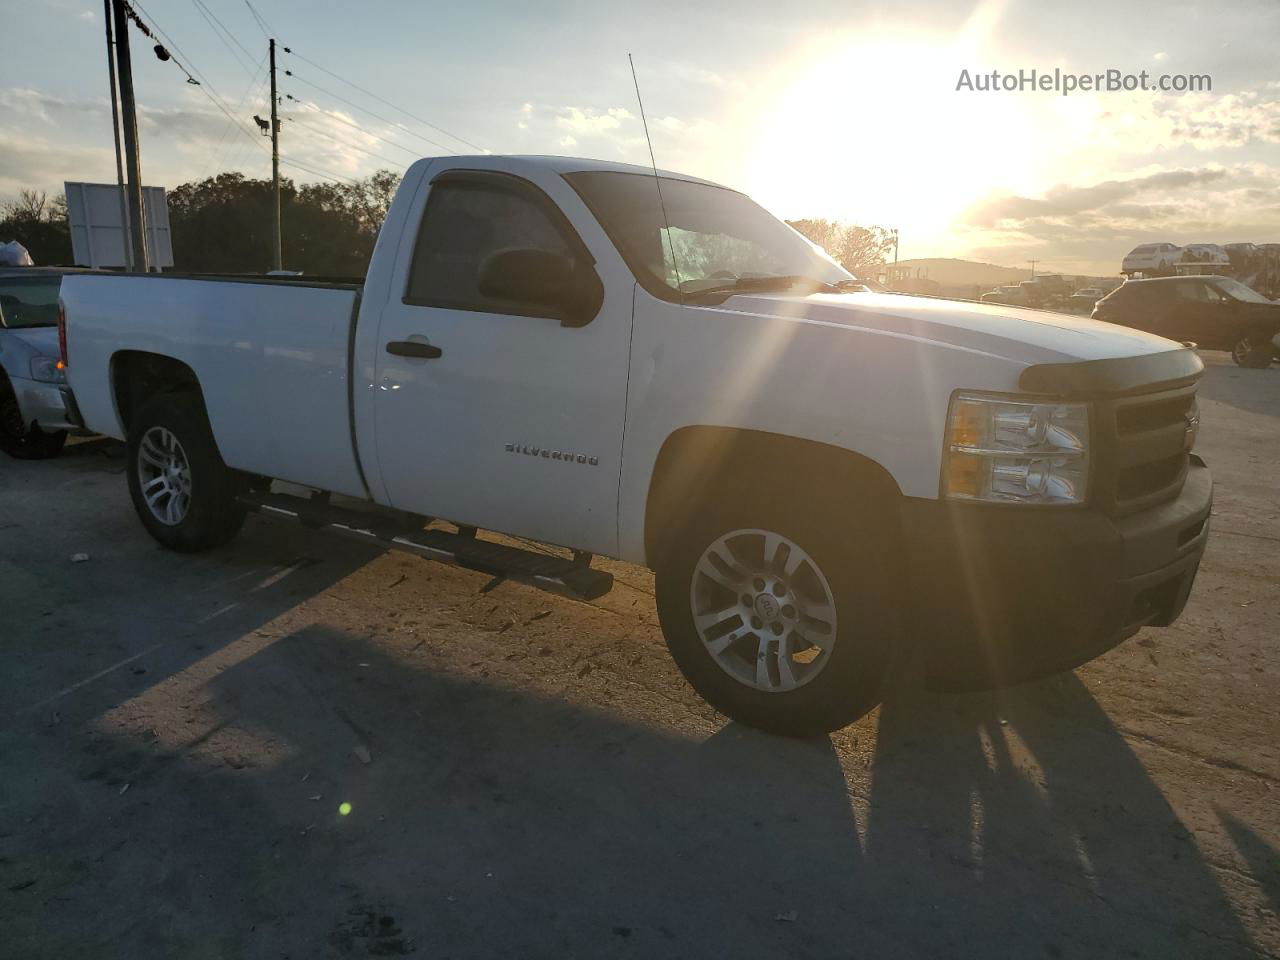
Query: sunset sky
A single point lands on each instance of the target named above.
(841, 110)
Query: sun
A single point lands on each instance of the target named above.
(872, 130)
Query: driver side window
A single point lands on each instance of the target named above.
(464, 224)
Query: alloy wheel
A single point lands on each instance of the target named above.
(164, 476)
(764, 610)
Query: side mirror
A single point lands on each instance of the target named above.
(543, 279)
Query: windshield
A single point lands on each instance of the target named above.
(720, 240)
(29, 301)
(1239, 290)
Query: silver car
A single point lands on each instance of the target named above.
(37, 410)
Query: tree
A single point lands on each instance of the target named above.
(39, 224)
(223, 224)
(853, 247)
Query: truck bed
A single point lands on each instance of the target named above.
(274, 351)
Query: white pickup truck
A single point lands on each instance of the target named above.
(831, 484)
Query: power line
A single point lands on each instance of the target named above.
(347, 143)
(370, 93)
(341, 119)
(398, 126)
(249, 92)
(161, 52)
(316, 171)
(268, 31)
(261, 23)
(219, 30)
(207, 89)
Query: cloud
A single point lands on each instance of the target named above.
(591, 121)
(1063, 199)
(1088, 228)
(182, 142)
(1203, 121)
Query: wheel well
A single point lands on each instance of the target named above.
(137, 376)
(696, 463)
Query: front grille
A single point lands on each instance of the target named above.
(1142, 454)
(1152, 416)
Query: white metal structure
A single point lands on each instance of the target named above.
(98, 239)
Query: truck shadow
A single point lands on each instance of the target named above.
(490, 821)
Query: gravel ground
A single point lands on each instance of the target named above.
(528, 776)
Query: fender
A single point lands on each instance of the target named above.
(697, 462)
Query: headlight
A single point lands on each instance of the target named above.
(48, 370)
(1021, 451)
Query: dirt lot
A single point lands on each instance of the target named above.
(529, 777)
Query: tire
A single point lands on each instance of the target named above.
(851, 561)
(182, 491)
(16, 438)
(1253, 351)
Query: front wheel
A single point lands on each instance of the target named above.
(182, 491)
(1253, 351)
(779, 621)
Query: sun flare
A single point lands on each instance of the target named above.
(873, 131)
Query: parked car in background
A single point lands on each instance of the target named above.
(1240, 253)
(1013, 295)
(1151, 259)
(1047, 290)
(1202, 258)
(1218, 313)
(1082, 300)
(36, 409)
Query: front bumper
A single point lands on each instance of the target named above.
(1001, 596)
(51, 405)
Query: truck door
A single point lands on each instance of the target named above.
(494, 413)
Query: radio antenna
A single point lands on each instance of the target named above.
(657, 181)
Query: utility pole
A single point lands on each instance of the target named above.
(115, 133)
(1033, 268)
(133, 164)
(895, 244)
(276, 249)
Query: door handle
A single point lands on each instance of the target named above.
(413, 348)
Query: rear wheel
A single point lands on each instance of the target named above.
(182, 491)
(20, 441)
(1253, 351)
(780, 618)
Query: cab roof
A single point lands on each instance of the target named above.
(563, 165)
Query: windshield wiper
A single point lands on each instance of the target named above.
(741, 284)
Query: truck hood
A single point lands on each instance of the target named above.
(1014, 333)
